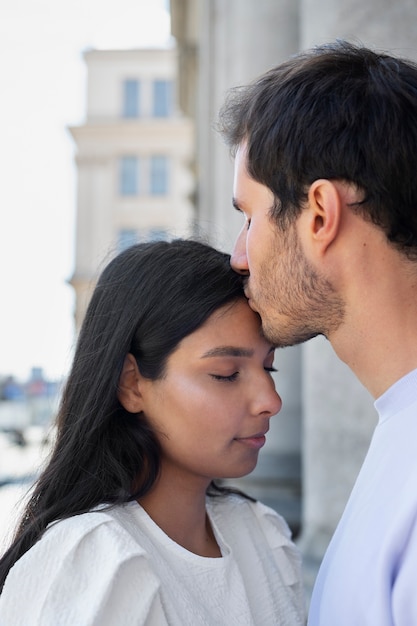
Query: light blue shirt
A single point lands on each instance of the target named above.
(369, 573)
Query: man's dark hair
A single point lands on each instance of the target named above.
(341, 112)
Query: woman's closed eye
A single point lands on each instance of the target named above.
(225, 378)
(232, 377)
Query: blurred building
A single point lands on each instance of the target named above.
(133, 160)
(327, 418)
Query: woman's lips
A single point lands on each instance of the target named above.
(254, 441)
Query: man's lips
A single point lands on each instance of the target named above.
(249, 297)
(252, 305)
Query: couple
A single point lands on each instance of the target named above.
(170, 388)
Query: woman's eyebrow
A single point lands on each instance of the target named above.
(228, 351)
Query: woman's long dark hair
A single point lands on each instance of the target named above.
(146, 301)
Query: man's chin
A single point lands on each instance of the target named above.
(284, 337)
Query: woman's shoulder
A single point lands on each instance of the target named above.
(98, 525)
(237, 517)
(98, 540)
(83, 560)
(247, 511)
(249, 527)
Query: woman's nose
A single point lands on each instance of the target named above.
(266, 400)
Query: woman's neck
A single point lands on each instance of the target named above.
(181, 513)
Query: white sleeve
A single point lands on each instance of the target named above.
(287, 557)
(278, 536)
(86, 571)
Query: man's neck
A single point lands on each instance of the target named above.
(378, 340)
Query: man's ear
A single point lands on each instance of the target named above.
(324, 213)
(128, 391)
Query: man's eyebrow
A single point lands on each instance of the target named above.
(227, 351)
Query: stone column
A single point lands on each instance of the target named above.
(338, 421)
(239, 39)
(376, 23)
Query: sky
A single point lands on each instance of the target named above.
(43, 79)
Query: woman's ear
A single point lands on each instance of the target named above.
(128, 391)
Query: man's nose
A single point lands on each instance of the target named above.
(239, 260)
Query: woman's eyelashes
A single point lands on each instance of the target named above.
(232, 377)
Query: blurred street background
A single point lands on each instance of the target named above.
(26, 433)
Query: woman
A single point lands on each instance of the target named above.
(170, 388)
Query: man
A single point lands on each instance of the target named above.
(326, 178)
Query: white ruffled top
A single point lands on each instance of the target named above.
(115, 566)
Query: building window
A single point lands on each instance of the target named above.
(126, 237)
(129, 176)
(162, 98)
(131, 93)
(159, 175)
